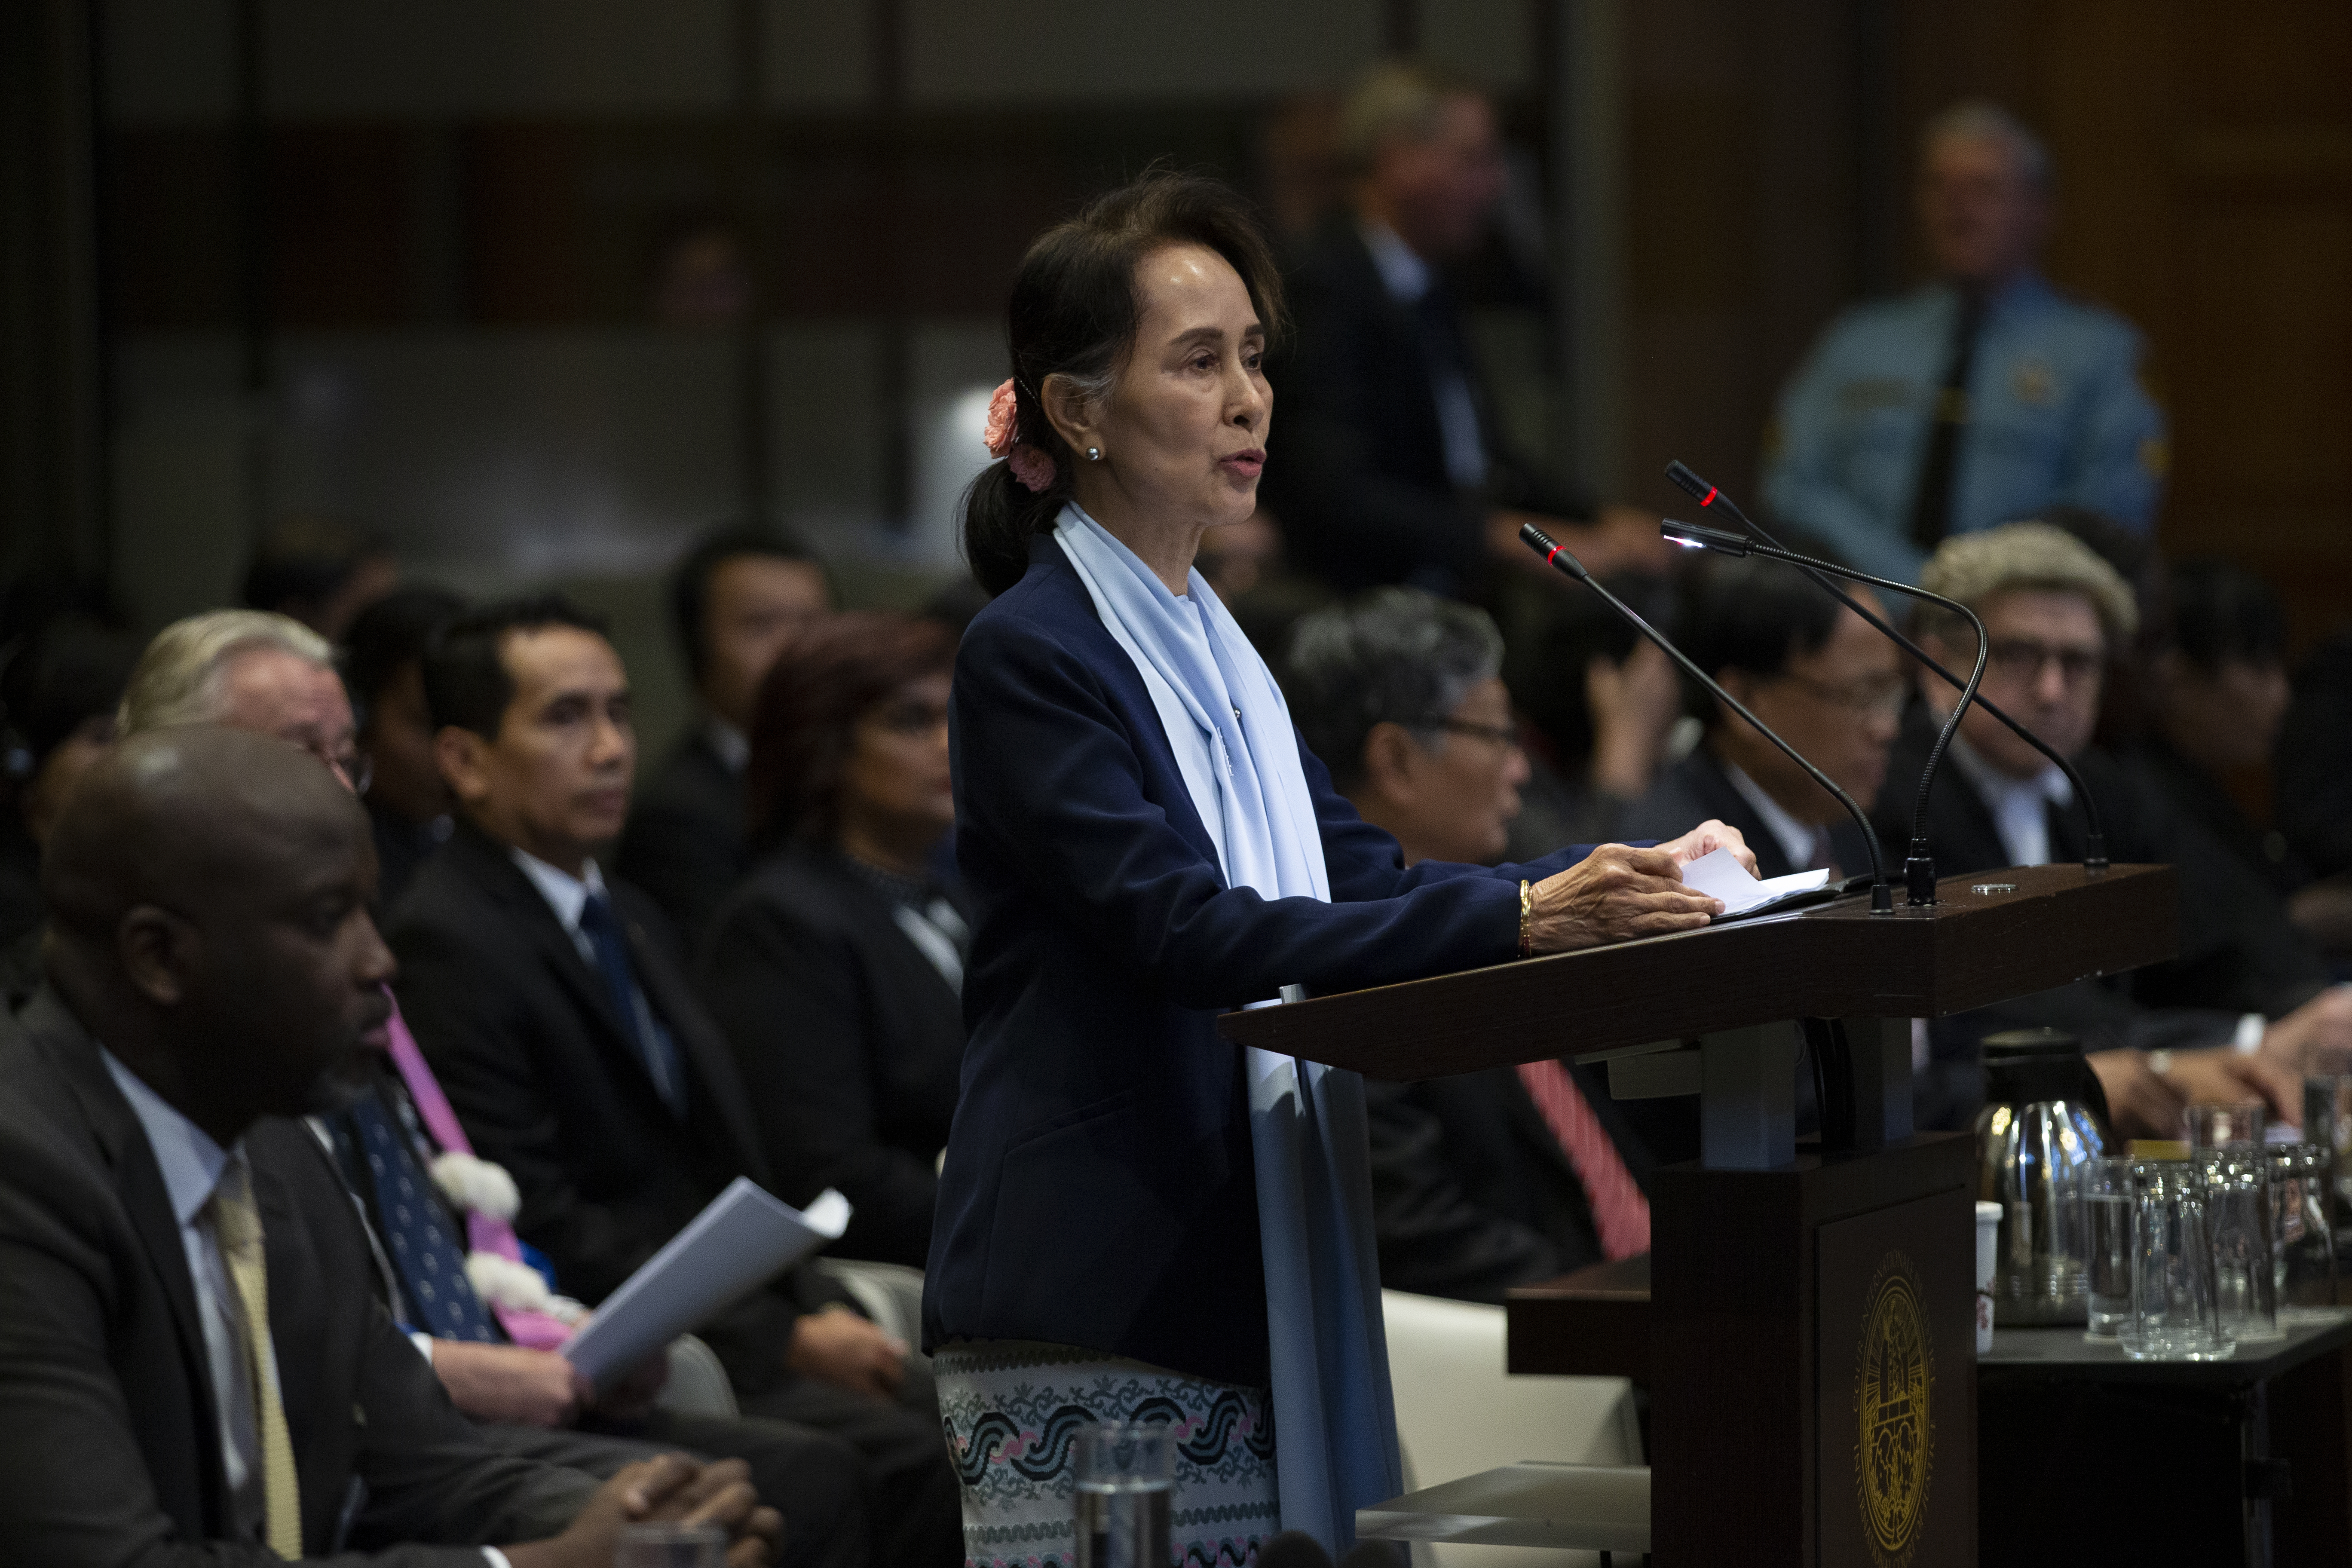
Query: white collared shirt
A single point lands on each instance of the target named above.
(1409, 279)
(2020, 807)
(1801, 842)
(193, 1165)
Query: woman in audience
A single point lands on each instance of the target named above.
(837, 968)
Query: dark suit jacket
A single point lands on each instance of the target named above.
(2239, 952)
(110, 1446)
(1099, 1189)
(1472, 1192)
(850, 1043)
(1697, 788)
(2312, 787)
(1358, 476)
(2202, 798)
(527, 1043)
(686, 844)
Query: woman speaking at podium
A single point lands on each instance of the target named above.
(1137, 1220)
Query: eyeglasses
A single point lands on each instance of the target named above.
(1882, 697)
(354, 767)
(2022, 658)
(1504, 735)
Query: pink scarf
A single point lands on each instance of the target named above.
(484, 1233)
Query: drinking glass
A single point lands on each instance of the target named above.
(2211, 1126)
(2173, 1316)
(671, 1546)
(1127, 1474)
(2239, 1230)
(2104, 1186)
(2304, 1251)
(2327, 1121)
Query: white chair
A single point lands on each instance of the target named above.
(1459, 1413)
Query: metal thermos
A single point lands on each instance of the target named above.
(2045, 1114)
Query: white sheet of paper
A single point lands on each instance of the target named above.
(1720, 875)
(739, 1240)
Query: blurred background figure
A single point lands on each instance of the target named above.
(1831, 684)
(321, 572)
(408, 803)
(1984, 396)
(1479, 1182)
(2220, 704)
(2312, 785)
(1390, 465)
(58, 695)
(836, 972)
(736, 599)
(1402, 694)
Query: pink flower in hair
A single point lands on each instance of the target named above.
(1003, 417)
(1033, 467)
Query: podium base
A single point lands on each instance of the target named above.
(1820, 1323)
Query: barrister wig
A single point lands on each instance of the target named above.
(2031, 556)
(831, 675)
(1074, 313)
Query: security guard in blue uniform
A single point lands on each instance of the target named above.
(1979, 400)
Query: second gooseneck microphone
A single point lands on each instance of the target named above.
(1881, 896)
(2095, 835)
(1919, 871)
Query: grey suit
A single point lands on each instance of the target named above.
(110, 1450)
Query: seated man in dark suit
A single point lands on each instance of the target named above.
(1823, 678)
(527, 1396)
(180, 1377)
(554, 1014)
(1490, 1179)
(736, 599)
(2246, 1008)
(1391, 468)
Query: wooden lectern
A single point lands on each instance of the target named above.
(1811, 1313)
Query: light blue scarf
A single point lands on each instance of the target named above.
(1335, 1419)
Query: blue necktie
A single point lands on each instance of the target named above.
(441, 1300)
(602, 926)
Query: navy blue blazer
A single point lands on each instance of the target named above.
(1099, 1189)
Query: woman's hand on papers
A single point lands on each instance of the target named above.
(1615, 893)
(840, 1347)
(1707, 839)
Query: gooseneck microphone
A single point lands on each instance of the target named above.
(1919, 871)
(1881, 896)
(2094, 833)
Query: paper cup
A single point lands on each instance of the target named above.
(1988, 1257)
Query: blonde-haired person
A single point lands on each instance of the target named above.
(2246, 1008)
(251, 669)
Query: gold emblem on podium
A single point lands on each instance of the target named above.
(1893, 1390)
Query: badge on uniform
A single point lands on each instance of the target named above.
(2033, 383)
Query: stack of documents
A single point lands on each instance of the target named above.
(1720, 874)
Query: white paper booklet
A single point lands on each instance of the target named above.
(740, 1241)
(1720, 875)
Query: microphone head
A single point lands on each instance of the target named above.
(1537, 539)
(1690, 484)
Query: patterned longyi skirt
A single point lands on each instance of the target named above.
(1012, 1408)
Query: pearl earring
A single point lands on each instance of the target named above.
(1093, 454)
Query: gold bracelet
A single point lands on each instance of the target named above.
(1527, 921)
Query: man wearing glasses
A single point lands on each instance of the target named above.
(2246, 1008)
(1826, 681)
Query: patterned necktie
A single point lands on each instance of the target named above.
(236, 1226)
(1620, 1213)
(1931, 504)
(484, 1232)
(600, 924)
(441, 1300)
